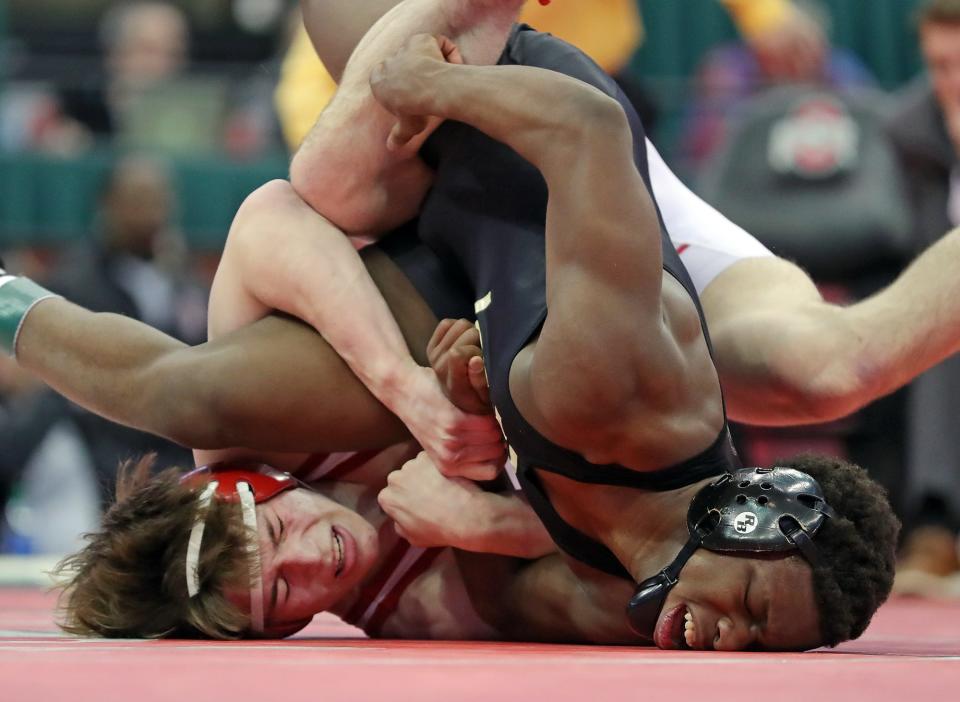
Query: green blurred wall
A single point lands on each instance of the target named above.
(51, 200)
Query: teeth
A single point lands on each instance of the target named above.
(336, 540)
(689, 630)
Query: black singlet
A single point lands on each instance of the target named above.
(486, 214)
(445, 291)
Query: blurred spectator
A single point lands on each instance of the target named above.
(145, 44)
(926, 130)
(733, 72)
(787, 42)
(135, 264)
(610, 31)
(56, 454)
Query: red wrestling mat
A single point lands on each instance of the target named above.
(912, 652)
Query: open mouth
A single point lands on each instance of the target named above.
(677, 630)
(339, 547)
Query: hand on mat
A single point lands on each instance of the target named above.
(406, 86)
(461, 444)
(455, 355)
(430, 509)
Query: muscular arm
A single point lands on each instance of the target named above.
(282, 255)
(787, 357)
(274, 385)
(545, 600)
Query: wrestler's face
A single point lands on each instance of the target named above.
(738, 603)
(313, 552)
(941, 51)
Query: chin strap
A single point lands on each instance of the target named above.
(648, 599)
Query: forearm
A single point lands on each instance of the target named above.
(273, 385)
(100, 361)
(535, 111)
(543, 600)
(914, 323)
(786, 356)
(316, 275)
(509, 527)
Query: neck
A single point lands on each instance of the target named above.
(644, 530)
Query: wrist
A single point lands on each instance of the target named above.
(395, 382)
(446, 81)
(18, 297)
(483, 533)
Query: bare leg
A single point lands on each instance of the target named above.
(343, 169)
(605, 280)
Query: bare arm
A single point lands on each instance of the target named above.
(788, 357)
(355, 181)
(282, 255)
(545, 600)
(273, 385)
(603, 256)
(430, 509)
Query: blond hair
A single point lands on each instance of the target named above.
(129, 581)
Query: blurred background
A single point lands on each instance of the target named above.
(131, 131)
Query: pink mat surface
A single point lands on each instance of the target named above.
(911, 652)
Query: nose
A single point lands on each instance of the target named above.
(301, 555)
(732, 635)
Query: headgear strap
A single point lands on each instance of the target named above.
(248, 506)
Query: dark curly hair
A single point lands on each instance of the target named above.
(130, 579)
(857, 548)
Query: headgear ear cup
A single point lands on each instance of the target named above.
(752, 510)
(248, 484)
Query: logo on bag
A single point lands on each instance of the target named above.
(817, 139)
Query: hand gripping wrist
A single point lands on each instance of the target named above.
(18, 296)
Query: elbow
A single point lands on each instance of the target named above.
(833, 391)
(338, 195)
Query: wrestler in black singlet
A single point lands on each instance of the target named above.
(486, 214)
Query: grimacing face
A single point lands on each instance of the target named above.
(726, 602)
(313, 552)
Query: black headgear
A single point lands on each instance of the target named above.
(752, 510)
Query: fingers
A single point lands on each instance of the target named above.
(445, 336)
(450, 51)
(479, 472)
(477, 374)
(487, 453)
(405, 130)
(433, 346)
